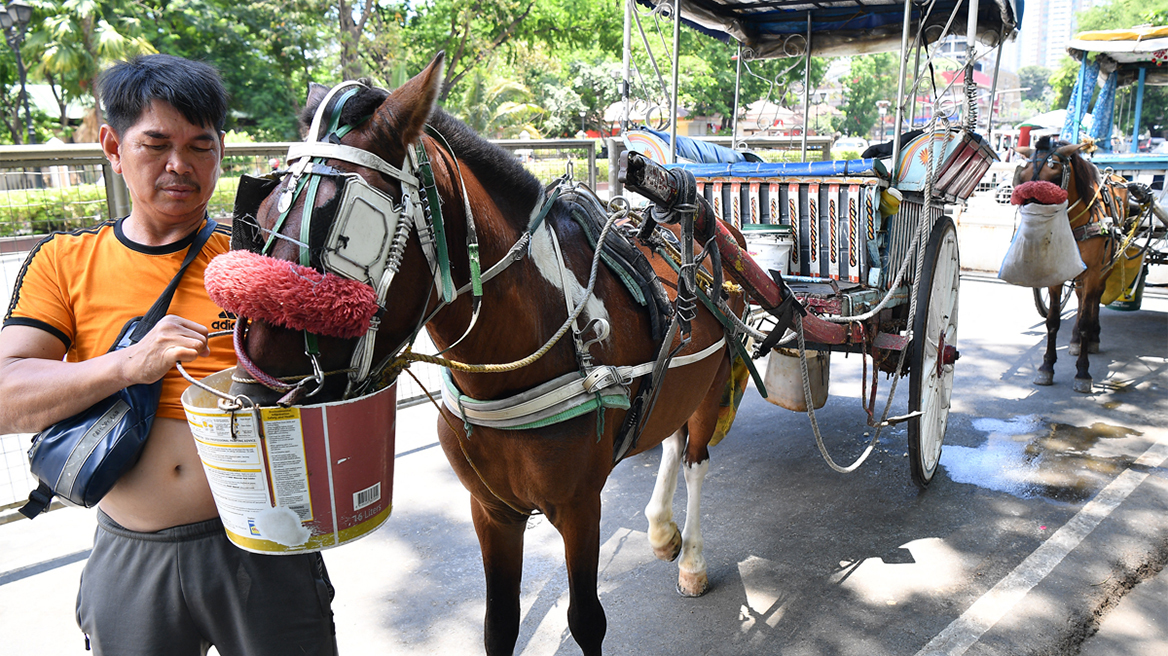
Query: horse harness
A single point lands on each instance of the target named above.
(361, 235)
(1103, 194)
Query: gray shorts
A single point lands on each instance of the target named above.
(179, 591)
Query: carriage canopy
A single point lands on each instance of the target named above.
(778, 28)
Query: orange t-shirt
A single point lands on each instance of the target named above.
(83, 286)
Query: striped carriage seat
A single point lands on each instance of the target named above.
(830, 208)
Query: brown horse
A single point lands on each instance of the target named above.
(1090, 202)
(558, 469)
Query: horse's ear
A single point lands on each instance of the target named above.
(1070, 149)
(1024, 151)
(410, 104)
(316, 93)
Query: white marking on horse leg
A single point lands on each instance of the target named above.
(543, 254)
(663, 534)
(691, 576)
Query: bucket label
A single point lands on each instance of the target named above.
(234, 467)
(287, 466)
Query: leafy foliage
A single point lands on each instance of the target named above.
(872, 78)
(1036, 79)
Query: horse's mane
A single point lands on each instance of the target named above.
(1085, 173)
(510, 185)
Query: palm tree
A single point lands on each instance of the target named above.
(76, 40)
(500, 110)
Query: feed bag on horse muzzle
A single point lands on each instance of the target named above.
(1043, 252)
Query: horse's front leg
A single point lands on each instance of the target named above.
(663, 534)
(1045, 373)
(501, 540)
(1087, 329)
(691, 569)
(579, 525)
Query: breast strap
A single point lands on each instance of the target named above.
(561, 398)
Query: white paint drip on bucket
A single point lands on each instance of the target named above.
(281, 525)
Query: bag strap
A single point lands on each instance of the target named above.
(38, 500)
(162, 305)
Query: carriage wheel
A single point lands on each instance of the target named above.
(1042, 297)
(934, 329)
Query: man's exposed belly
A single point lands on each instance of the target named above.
(167, 487)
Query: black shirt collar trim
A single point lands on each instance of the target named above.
(165, 249)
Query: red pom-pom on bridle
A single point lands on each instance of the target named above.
(290, 295)
(1038, 191)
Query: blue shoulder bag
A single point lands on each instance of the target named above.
(80, 458)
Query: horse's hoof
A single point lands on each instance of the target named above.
(669, 551)
(1044, 378)
(1082, 385)
(1092, 347)
(692, 584)
(1073, 348)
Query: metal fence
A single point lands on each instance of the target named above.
(47, 188)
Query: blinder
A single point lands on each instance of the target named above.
(245, 229)
(361, 224)
(360, 235)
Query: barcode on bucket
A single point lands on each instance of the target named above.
(368, 496)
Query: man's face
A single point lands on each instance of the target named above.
(170, 166)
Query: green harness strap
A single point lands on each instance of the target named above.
(426, 176)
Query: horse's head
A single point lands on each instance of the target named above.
(326, 254)
(1050, 160)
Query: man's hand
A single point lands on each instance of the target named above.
(173, 339)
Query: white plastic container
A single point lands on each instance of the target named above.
(318, 476)
(784, 380)
(769, 245)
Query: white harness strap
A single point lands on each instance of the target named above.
(349, 154)
(558, 395)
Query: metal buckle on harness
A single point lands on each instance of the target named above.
(602, 377)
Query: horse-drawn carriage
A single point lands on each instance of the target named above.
(1113, 198)
(574, 333)
(865, 244)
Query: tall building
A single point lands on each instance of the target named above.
(1047, 25)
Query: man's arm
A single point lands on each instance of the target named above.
(38, 388)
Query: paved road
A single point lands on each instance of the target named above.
(1048, 507)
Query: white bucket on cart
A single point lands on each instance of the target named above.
(769, 245)
(784, 378)
(320, 475)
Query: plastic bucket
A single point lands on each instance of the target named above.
(317, 477)
(784, 378)
(769, 245)
(1133, 297)
(1125, 282)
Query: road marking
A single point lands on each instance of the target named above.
(966, 630)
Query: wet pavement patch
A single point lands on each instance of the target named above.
(1067, 469)
(1026, 457)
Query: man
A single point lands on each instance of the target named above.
(162, 577)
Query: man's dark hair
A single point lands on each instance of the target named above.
(193, 88)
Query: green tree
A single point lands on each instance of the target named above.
(1036, 79)
(264, 50)
(872, 78)
(498, 110)
(73, 40)
(1121, 14)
